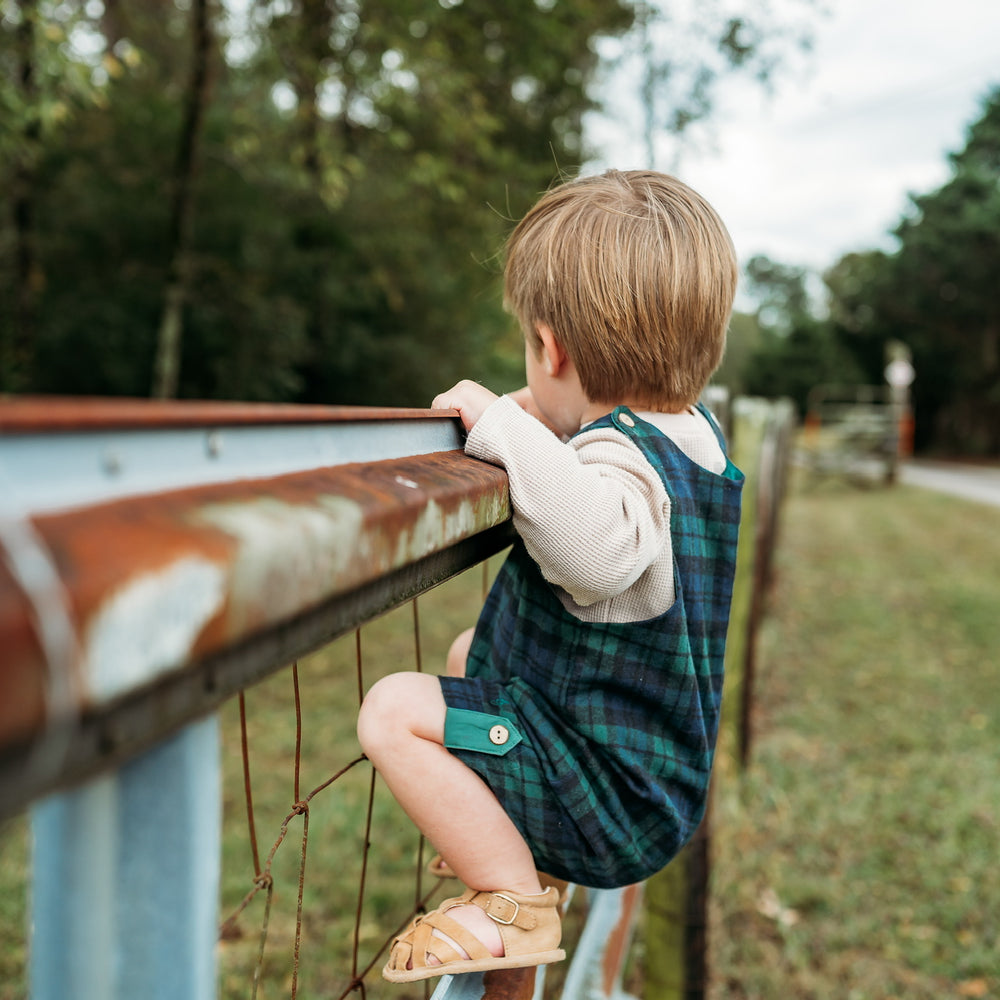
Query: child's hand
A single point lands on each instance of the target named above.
(469, 398)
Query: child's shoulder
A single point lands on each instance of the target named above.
(691, 430)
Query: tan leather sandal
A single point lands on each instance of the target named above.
(529, 926)
(439, 868)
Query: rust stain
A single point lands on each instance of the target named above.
(509, 984)
(22, 683)
(157, 582)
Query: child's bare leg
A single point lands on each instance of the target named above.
(459, 654)
(401, 729)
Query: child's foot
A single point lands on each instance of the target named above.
(474, 920)
(476, 932)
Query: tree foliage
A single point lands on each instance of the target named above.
(796, 350)
(679, 52)
(353, 172)
(308, 197)
(937, 293)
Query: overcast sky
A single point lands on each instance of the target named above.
(823, 166)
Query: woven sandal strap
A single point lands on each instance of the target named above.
(426, 942)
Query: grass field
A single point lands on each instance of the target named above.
(858, 856)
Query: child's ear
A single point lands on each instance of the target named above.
(553, 357)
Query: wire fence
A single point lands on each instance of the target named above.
(360, 962)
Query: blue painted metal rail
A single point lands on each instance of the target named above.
(154, 560)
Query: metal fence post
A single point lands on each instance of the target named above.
(126, 878)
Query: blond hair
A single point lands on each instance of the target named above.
(635, 274)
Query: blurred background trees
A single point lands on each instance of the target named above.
(294, 199)
(289, 200)
(307, 200)
(936, 293)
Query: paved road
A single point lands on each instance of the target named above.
(971, 482)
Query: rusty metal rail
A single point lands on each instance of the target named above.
(155, 558)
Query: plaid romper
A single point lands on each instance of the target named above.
(598, 738)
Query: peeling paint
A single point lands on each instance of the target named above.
(165, 581)
(149, 626)
(437, 527)
(426, 534)
(288, 554)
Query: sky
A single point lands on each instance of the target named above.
(824, 164)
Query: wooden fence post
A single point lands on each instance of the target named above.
(676, 917)
(771, 469)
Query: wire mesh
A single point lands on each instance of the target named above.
(295, 827)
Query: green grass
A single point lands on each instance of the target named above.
(859, 857)
(13, 944)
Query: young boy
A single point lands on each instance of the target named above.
(575, 730)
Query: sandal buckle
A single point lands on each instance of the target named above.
(513, 902)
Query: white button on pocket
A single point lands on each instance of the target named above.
(499, 735)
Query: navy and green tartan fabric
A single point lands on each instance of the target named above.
(618, 722)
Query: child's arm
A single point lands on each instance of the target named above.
(593, 513)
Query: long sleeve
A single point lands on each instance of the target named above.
(592, 512)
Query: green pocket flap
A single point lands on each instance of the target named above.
(479, 731)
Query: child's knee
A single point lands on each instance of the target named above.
(376, 718)
(458, 654)
(397, 707)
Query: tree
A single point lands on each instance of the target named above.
(358, 167)
(39, 88)
(679, 53)
(443, 124)
(797, 349)
(21, 347)
(937, 294)
(742, 342)
(166, 368)
(780, 291)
